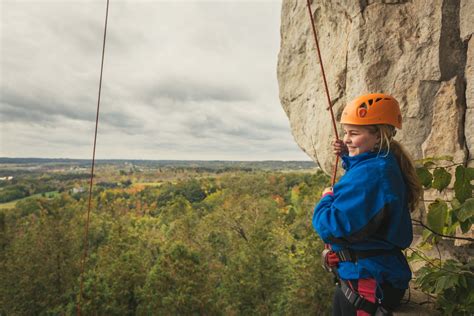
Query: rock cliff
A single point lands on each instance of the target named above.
(419, 51)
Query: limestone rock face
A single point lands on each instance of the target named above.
(419, 51)
(467, 28)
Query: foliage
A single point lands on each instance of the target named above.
(452, 281)
(234, 243)
(39, 263)
(13, 192)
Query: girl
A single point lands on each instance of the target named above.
(365, 218)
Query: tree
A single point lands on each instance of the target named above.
(176, 285)
(40, 264)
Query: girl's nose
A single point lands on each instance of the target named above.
(346, 139)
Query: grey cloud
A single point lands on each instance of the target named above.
(245, 133)
(192, 90)
(37, 109)
(124, 121)
(200, 89)
(213, 126)
(42, 111)
(11, 113)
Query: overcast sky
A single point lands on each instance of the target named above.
(182, 80)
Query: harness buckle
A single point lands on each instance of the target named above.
(358, 302)
(324, 261)
(345, 255)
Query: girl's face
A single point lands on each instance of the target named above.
(359, 139)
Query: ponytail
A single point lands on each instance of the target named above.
(407, 167)
(406, 164)
(409, 174)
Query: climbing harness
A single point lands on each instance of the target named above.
(331, 259)
(86, 233)
(360, 303)
(350, 255)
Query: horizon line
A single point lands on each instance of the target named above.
(128, 159)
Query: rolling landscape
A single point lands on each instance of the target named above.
(166, 237)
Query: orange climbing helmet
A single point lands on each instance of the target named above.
(372, 109)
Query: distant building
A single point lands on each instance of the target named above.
(8, 178)
(77, 190)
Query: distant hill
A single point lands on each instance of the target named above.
(206, 164)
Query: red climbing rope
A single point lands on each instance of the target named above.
(86, 233)
(333, 180)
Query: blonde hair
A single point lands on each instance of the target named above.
(405, 162)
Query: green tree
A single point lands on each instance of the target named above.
(40, 263)
(177, 284)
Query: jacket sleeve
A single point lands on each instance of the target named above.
(357, 209)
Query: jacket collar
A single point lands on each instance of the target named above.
(349, 162)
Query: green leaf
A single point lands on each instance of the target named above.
(437, 212)
(425, 176)
(470, 173)
(462, 281)
(451, 223)
(426, 246)
(426, 235)
(442, 178)
(453, 281)
(466, 211)
(430, 161)
(462, 184)
(465, 226)
(470, 298)
(455, 204)
(414, 257)
(440, 284)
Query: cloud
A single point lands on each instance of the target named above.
(37, 107)
(43, 109)
(182, 80)
(235, 126)
(181, 89)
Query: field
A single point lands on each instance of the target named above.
(11, 204)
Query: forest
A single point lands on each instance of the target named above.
(164, 241)
(193, 238)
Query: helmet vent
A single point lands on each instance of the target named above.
(377, 100)
(387, 99)
(363, 106)
(371, 101)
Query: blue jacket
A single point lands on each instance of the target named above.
(368, 210)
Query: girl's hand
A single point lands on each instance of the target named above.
(338, 147)
(327, 190)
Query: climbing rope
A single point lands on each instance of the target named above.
(333, 180)
(86, 233)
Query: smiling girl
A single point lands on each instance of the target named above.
(365, 218)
